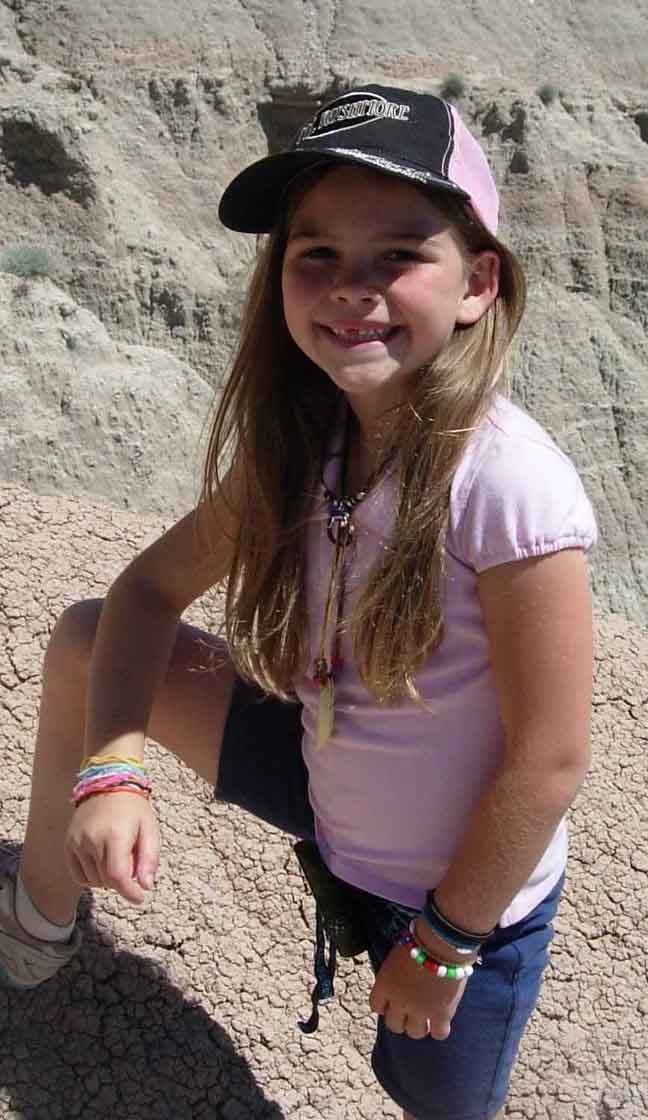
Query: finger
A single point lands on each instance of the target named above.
(377, 1002)
(75, 869)
(90, 868)
(147, 854)
(439, 1029)
(415, 1027)
(395, 1019)
(118, 865)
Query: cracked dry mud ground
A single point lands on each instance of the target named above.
(188, 1007)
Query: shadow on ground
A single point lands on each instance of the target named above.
(111, 1035)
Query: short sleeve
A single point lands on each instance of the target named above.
(517, 496)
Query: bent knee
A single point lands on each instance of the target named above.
(73, 636)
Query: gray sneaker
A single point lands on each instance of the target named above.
(25, 961)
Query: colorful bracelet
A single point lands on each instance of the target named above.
(115, 789)
(102, 759)
(105, 781)
(445, 970)
(421, 945)
(110, 774)
(461, 940)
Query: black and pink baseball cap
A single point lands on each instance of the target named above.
(414, 136)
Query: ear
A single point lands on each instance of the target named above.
(482, 286)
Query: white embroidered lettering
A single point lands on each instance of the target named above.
(351, 114)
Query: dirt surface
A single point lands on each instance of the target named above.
(188, 1007)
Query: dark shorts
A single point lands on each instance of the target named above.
(466, 1076)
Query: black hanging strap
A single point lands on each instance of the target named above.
(324, 973)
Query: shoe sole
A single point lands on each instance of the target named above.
(9, 981)
(32, 957)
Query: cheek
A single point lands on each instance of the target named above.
(301, 287)
(298, 296)
(428, 297)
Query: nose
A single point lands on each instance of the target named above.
(355, 284)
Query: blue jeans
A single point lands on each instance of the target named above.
(466, 1076)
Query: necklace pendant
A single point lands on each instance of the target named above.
(326, 712)
(320, 671)
(340, 527)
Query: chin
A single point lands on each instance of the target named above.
(359, 386)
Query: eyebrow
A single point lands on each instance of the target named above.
(387, 235)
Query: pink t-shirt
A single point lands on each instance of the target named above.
(393, 788)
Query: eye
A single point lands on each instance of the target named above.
(402, 256)
(319, 253)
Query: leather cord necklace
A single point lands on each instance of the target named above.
(339, 529)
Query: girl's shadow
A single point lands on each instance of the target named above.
(112, 1037)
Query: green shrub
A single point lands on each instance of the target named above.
(453, 87)
(25, 260)
(548, 93)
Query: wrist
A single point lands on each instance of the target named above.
(442, 969)
(464, 942)
(438, 948)
(463, 912)
(110, 773)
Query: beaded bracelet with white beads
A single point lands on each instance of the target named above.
(445, 970)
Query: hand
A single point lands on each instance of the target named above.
(113, 841)
(412, 1000)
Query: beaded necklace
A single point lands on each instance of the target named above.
(339, 530)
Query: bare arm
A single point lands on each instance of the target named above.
(138, 626)
(538, 620)
(537, 615)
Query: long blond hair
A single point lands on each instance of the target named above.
(272, 426)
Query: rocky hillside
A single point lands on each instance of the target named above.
(120, 123)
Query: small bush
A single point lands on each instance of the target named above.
(25, 260)
(453, 87)
(548, 93)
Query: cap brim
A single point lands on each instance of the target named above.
(251, 202)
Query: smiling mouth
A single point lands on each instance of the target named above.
(354, 336)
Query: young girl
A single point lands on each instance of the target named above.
(406, 676)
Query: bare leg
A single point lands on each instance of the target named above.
(188, 716)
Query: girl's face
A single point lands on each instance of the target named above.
(374, 283)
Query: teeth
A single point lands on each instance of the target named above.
(361, 335)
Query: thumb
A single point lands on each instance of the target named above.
(377, 998)
(146, 856)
